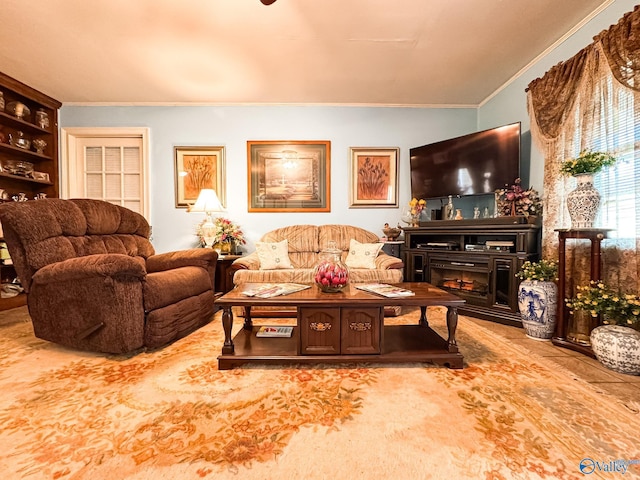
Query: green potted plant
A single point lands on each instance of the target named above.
(616, 343)
(587, 162)
(538, 298)
(584, 200)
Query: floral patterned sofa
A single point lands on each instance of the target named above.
(305, 242)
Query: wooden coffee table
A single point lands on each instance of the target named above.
(342, 327)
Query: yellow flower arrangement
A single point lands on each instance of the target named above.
(598, 298)
(587, 162)
(542, 270)
(417, 206)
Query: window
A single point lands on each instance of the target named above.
(107, 164)
(616, 129)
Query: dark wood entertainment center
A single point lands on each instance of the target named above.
(474, 259)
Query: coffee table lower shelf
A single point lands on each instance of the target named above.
(401, 344)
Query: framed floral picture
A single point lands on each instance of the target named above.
(197, 168)
(289, 176)
(374, 177)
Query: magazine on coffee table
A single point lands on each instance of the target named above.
(385, 290)
(268, 290)
(274, 331)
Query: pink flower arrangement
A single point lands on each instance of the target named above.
(225, 231)
(515, 200)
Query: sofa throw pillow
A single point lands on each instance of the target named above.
(273, 256)
(362, 255)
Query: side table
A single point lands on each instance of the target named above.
(392, 247)
(595, 236)
(223, 279)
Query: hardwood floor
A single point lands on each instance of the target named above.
(13, 302)
(625, 387)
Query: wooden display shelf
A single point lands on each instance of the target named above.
(15, 91)
(30, 154)
(20, 124)
(24, 179)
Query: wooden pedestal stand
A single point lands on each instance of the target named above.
(595, 235)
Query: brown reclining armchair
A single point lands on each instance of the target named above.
(93, 281)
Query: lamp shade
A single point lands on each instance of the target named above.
(207, 202)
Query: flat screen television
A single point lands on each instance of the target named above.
(477, 163)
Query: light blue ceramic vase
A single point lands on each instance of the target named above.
(538, 303)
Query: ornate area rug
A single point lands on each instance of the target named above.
(170, 414)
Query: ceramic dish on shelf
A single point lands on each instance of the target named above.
(19, 140)
(18, 110)
(39, 145)
(43, 176)
(17, 167)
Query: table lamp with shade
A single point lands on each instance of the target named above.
(208, 203)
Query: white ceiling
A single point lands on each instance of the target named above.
(371, 52)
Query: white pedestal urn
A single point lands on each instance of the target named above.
(583, 202)
(617, 347)
(538, 302)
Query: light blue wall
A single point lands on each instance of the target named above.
(345, 127)
(232, 126)
(510, 105)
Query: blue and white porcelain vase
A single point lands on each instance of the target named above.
(583, 202)
(538, 302)
(617, 348)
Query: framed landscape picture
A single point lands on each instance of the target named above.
(197, 168)
(374, 177)
(289, 176)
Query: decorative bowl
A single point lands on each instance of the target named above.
(18, 110)
(39, 145)
(19, 140)
(330, 276)
(41, 176)
(18, 167)
(392, 233)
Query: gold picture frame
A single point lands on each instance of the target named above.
(289, 176)
(374, 177)
(197, 168)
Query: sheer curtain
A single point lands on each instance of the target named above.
(592, 101)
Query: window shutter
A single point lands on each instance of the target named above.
(113, 171)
